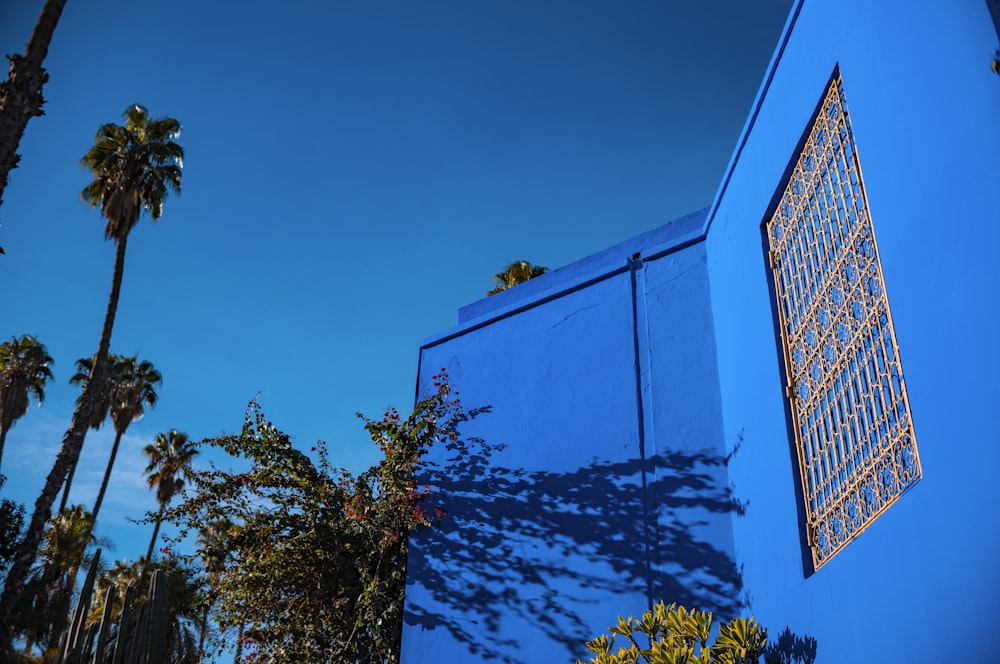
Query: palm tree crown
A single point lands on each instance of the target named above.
(516, 273)
(133, 386)
(130, 387)
(84, 367)
(213, 540)
(169, 463)
(24, 371)
(134, 165)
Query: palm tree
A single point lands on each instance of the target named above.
(134, 167)
(184, 588)
(169, 465)
(84, 367)
(24, 370)
(131, 385)
(213, 540)
(21, 94)
(67, 544)
(121, 575)
(516, 273)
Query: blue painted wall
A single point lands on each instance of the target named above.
(921, 582)
(599, 483)
(630, 442)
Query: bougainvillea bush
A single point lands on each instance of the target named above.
(313, 567)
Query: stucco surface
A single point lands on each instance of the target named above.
(631, 441)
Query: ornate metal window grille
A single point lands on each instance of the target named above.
(856, 448)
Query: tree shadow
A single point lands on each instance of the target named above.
(528, 558)
(790, 648)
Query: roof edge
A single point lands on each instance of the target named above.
(758, 101)
(665, 239)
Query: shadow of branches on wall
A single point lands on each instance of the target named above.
(535, 554)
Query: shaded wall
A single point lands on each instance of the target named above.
(591, 479)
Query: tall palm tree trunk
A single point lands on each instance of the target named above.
(68, 455)
(107, 475)
(21, 94)
(202, 631)
(100, 494)
(239, 644)
(156, 532)
(66, 486)
(3, 439)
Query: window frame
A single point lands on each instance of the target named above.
(849, 413)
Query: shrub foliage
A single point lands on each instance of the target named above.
(673, 635)
(314, 567)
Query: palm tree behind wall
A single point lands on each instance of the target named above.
(24, 371)
(134, 165)
(516, 273)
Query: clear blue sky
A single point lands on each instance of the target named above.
(354, 173)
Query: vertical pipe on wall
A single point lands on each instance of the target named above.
(640, 346)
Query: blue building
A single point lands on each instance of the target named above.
(725, 412)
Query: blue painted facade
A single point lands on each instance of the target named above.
(632, 441)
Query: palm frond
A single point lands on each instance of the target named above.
(134, 168)
(516, 273)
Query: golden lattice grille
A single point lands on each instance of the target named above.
(857, 452)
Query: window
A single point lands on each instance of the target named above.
(853, 431)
